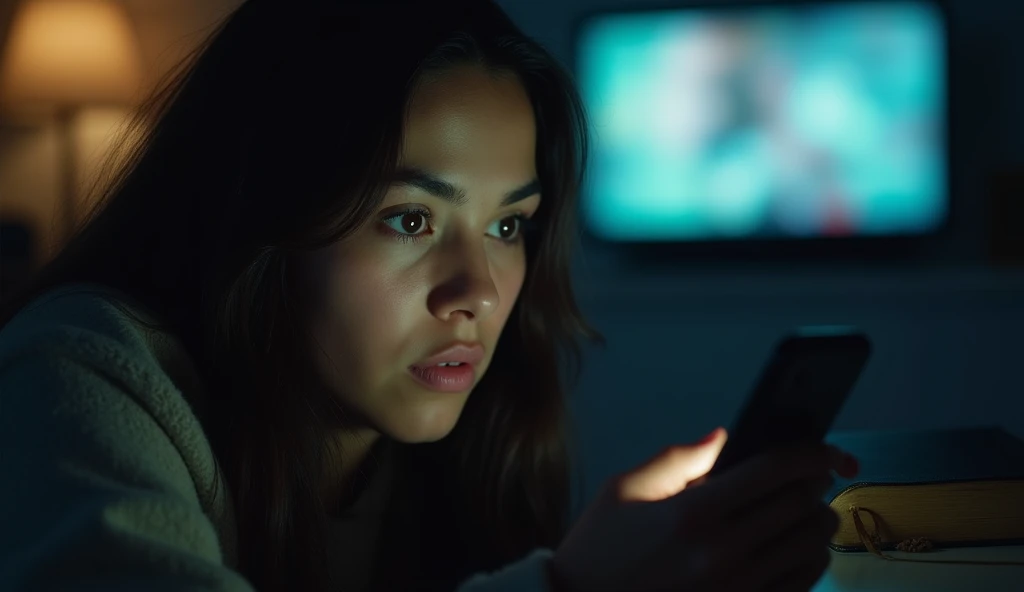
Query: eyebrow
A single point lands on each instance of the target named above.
(420, 179)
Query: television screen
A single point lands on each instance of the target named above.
(807, 120)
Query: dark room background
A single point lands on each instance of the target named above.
(686, 337)
(685, 341)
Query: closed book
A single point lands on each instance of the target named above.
(942, 488)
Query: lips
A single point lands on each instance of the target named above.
(451, 370)
(456, 354)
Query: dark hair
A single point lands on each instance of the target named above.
(274, 140)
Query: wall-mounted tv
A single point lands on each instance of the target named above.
(784, 121)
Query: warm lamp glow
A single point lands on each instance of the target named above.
(70, 53)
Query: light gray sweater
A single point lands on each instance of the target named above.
(108, 477)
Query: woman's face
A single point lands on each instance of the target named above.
(432, 278)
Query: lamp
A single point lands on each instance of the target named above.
(63, 55)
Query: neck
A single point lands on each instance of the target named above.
(346, 458)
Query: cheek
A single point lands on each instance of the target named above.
(370, 306)
(370, 291)
(364, 307)
(509, 283)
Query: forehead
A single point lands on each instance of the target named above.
(470, 122)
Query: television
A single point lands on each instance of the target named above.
(774, 122)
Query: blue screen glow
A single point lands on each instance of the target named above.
(765, 122)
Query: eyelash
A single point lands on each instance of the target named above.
(526, 227)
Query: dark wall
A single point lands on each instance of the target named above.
(686, 341)
(684, 350)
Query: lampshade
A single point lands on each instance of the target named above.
(70, 53)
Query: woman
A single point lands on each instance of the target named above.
(252, 368)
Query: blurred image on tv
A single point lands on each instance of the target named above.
(765, 122)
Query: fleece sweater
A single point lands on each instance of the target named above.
(107, 475)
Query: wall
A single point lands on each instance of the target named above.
(29, 181)
(686, 341)
(683, 351)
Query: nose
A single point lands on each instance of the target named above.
(468, 288)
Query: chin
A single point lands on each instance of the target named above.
(424, 434)
(422, 427)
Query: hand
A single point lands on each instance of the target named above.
(761, 526)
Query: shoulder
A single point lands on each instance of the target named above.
(92, 378)
(104, 330)
(76, 320)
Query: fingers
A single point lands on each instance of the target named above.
(843, 463)
(822, 486)
(792, 559)
(804, 548)
(762, 523)
(668, 473)
(767, 473)
(753, 480)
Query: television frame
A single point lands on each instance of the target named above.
(822, 249)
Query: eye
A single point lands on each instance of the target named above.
(507, 229)
(408, 223)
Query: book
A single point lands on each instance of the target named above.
(920, 489)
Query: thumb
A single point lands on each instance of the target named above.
(668, 473)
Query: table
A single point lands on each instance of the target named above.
(864, 572)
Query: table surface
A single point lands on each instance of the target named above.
(864, 572)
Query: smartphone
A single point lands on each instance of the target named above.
(799, 394)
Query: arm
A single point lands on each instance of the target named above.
(96, 495)
(530, 574)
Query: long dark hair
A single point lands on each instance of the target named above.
(274, 140)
